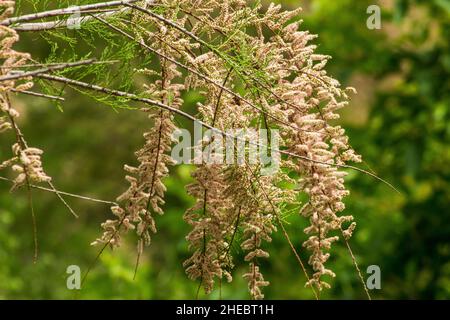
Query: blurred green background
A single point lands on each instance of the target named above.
(399, 122)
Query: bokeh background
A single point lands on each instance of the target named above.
(399, 122)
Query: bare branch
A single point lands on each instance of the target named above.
(64, 193)
(66, 23)
(64, 11)
(70, 22)
(21, 74)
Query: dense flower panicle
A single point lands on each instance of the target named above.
(210, 226)
(287, 88)
(254, 198)
(317, 98)
(145, 194)
(30, 166)
(210, 216)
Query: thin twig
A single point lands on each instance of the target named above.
(23, 145)
(64, 193)
(355, 263)
(58, 194)
(37, 94)
(33, 219)
(138, 257)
